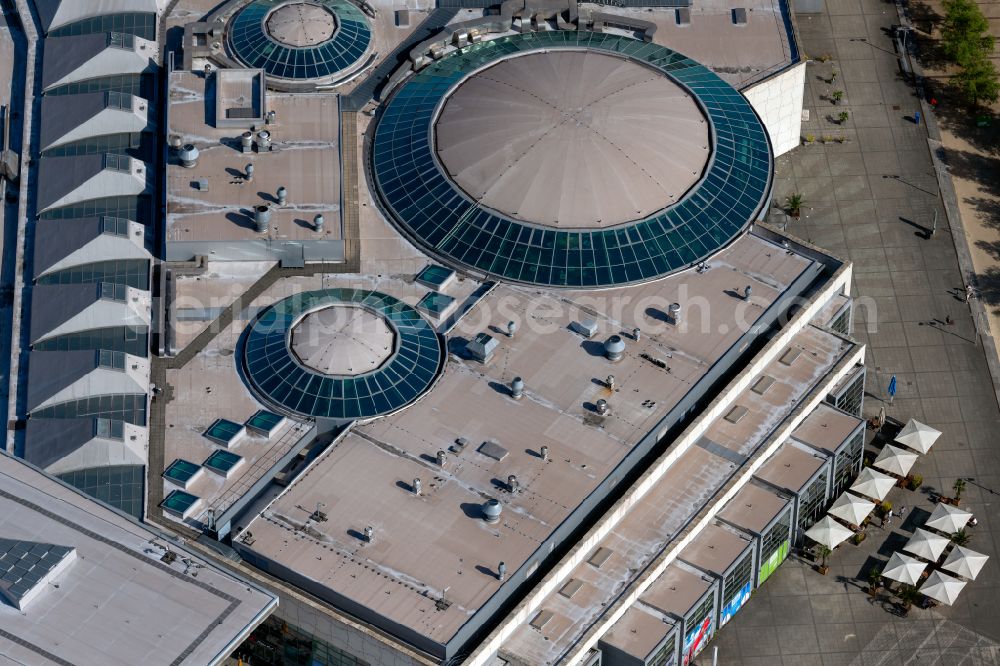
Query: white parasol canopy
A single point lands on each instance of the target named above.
(964, 562)
(942, 587)
(851, 508)
(829, 532)
(917, 436)
(926, 545)
(948, 519)
(874, 484)
(904, 569)
(895, 460)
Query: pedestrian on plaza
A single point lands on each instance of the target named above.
(973, 522)
(968, 293)
(902, 511)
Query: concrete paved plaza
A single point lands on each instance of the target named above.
(871, 198)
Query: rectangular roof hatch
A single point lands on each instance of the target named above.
(600, 556)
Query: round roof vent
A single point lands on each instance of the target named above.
(492, 510)
(614, 348)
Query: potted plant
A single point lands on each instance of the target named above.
(837, 96)
(842, 117)
(959, 488)
(961, 537)
(908, 595)
(794, 205)
(859, 537)
(809, 138)
(884, 508)
(841, 138)
(823, 553)
(874, 580)
(914, 481)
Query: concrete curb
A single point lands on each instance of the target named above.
(950, 200)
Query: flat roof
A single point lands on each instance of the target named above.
(638, 632)
(753, 507)
(677, 590)
(113, 604)
(305, 160)
(368, 474)
(826, 428)
(715, 549)
(790, 467)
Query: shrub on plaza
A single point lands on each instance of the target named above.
(842, 117)
(965, 31)
(913, 481)
(836, 96)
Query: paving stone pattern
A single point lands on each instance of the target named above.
(872, 199)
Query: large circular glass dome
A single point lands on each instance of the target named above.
(341, 354)
(300, 40)
(550, 171)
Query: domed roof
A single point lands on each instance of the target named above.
(573, 139)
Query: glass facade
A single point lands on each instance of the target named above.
(134, 208)
(736, 588)
(277, 376)
(254, 47)
(140, 24)
(128, 339)
(277, 643)
(666, 655)
(848, 463)
(133, 84)
(699, 626)
(120, 486)
(131, 272)
(128, 407)
(842, 322)
(774, 546)
(850, 395)
(435, 211)
(812, 502)
(127, 144)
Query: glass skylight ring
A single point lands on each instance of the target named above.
(435, 212)
(279, 379)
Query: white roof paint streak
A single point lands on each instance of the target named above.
(113, 61)
(135, 311)
(105, 247)
(103, 381)
(107, 183)
(117, 604)
(108, 121)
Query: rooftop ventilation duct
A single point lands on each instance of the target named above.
(188, 156)
(517, 388)
(492, 510)
(262, 217)
(264, 139)
(614, 348)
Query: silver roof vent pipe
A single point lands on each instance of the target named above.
(442, 458)
(262, 217)
(492, 510)
(746, 293)
(602, 406)
(318, 223)
(263, 141)
(610, 382)
(512, 484)
(282, 196)
(511, 328)
(636, 334)
(502, 571)
(246, 141)
(417, 486)
(545, 453)
(175, 141)
(517, 388)
(614, 348)
(188, 156)
(675, 312)
(248, 173)
(369, 534)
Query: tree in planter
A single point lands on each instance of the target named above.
(959, 488)
(823, 553)
(961, 537)
(908, 595)
(843, 116)
(833, 75)
(836, 96)
(977, 82)
(914, 481)
(965, 34)
(794, 203)
(874, 580)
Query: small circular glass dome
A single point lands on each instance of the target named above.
(300, 39)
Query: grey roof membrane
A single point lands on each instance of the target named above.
(54, 304)
(58, 176)
(23, 564)
(63, 55)
(62, 114)
(51, 371)
(47, 10)
(48, 441)
(57, 239)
